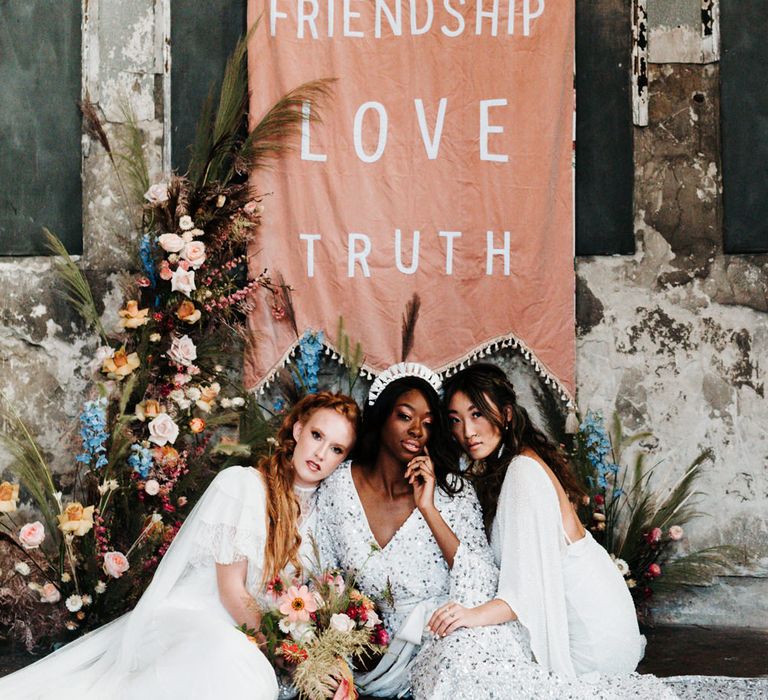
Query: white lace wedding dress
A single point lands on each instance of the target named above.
(179, 641)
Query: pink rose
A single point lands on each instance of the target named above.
(115, 564)
(163, 430)
(676, 532)
(183, 281)
(49, 594)
(157, 194)
(165, 271)
(171, 242)
(182, 351)
(654, 535)
(32, 535)
(194, 253)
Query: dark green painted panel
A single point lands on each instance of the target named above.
(744, 115)
(604, 148)
(203, 35)
(40, 125)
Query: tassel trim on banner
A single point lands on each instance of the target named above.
(500, 343)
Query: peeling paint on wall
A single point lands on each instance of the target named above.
(684, 31)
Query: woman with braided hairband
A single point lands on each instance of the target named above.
(411, 532)
(180, 641)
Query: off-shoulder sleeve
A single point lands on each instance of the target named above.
(231, 520)
(474, 575)
(531, 580)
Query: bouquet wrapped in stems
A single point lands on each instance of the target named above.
(315, 631)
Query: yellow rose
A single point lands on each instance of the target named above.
(9, 494)
(120, 365)
(148, 409)
(132, 316)
(75, 519)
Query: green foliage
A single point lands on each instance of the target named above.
(353, 358)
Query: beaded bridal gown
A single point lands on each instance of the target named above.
(409, 579)
(179, 641)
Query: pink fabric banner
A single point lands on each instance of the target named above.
(442, 166)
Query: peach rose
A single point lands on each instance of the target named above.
(194, 253)
(187, 312)
(163, 430)
(166, 456)
(132, 316)
(9, 494)
(49, 594)
(115, 564)
(208, 396)
(120, 364)
(75, 519)
(171, 242)
(197, 425)
(148, 409)
(165, 271)
(32, 535)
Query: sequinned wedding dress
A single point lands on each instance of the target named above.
(409, 578)
(179, 641)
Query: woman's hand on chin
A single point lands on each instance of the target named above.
(450, 617)
(420, 474)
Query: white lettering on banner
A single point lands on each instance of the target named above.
(459, 19)
(395, 21)
(432, 145)
(486, 129)
(449, 237)
(411, 269)
(358, 131)
(306, 148)
(415, 30)
(310, 238)
(308, 14)
(360, 257)
(348, 15)
(491, 252)
(360, 247)
(309, 19)
(493, 15)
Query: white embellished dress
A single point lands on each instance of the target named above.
(569, 595)
(179, 641)
(409, 579)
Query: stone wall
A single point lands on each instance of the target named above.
(672, 338)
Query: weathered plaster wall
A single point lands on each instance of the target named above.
(45, 351)
(675, 338)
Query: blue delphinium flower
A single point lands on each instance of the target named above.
(93, 433)
(308, 362)
(147, 259)
(140, 460)
(598, 447)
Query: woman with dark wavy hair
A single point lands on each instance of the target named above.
(554, 577)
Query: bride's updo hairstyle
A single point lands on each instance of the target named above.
(439, 444)
(488, 388)
(283, 538)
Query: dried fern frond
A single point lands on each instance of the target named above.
(290, 309)
(409, 320)
(353, 359)
(78, 291)
(92, 123)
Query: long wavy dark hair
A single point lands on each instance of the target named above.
(488, 388)
(441, 448)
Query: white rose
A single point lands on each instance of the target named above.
(225, 402)
(170, 242)
(238, 402)
(373, 619)
(182, 351)
(163, 430)
(342, 623)
(157, 194)
(152, 487)
(32, 535)
(115, 564)
(193, 393)
(74, 603)
(194, 253)
(186, 223)
(22, 568)
(183, 281)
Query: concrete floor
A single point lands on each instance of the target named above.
(671, 651)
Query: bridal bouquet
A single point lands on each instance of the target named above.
(313, 631)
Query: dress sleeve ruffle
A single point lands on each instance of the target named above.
(474, 575)
(531, 579)
(231, 521)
